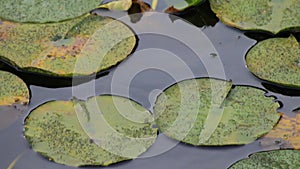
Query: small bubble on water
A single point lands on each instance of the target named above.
(213, 55)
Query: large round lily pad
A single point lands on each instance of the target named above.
(12, 90)
(211, 112)
(81, 46)
(45, 11)
(272, 159)
(100, 131)
(276, 60)
(268, 15)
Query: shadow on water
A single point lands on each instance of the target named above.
(200, 15)
(50, 81)
(289, 91)
(260, 36)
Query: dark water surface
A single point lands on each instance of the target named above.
(159, 61)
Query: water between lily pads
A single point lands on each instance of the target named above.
(157, 63)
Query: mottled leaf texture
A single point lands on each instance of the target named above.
(268, 15)
(101, 131)
(285, 135)
(212, 112)
(276, 60)
(43, 11)
(12, 90)
(80, 46)
(278, 159)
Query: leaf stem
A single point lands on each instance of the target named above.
(14, 162)
(154, 4)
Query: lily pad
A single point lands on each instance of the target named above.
(269, 15)
(12, 90)
(285, 134)
(180, 5)
(272, 159)
(276, 60)
(212, 112)
(43, 11)
(81, 46)
(101, 131)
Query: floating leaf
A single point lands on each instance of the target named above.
(268, 15)
(81, 46)
(206, 112)
(272, 159)
(45, 11)
(285, 135)
(276, 60)
(180, 5)
(12, 90)
(100, 131)
(119, 5)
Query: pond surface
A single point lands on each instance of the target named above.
(158, 62)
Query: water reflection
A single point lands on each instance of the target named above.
(156, 53)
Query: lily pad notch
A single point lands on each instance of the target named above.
(98, 132)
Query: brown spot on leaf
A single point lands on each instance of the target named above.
(172, 9)
(287, 130)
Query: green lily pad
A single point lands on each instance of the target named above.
(276, 60)
(101, 131)
(12, 90)
(272, 159)
(43, 11)
(81, 46)
(180, 5)
(212, 112)
(269, 15)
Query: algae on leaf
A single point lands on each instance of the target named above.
(43, 11)
(268, 15)
(12, 90)
(276, 60)
(123, 122)
(211, 112)
(93, 132)
(277, 159)
(81, 46)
